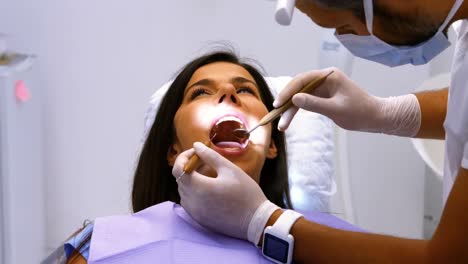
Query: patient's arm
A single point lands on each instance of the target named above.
(315, 243)
(433, 111)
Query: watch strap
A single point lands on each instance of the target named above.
(286, 220)
(259, 220)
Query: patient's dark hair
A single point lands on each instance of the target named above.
(153, 181)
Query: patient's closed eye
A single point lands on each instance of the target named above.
(197, 92)
(246, 89)
(203, 91)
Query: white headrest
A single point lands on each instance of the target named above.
(310, 150)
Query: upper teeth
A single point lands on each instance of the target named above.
(229, 118)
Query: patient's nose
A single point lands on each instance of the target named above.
(229, 95)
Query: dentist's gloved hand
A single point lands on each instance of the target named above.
(350, 107)
(232, 203)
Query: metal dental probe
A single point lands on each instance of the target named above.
(242, 133)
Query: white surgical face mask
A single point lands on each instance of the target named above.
(374, 49)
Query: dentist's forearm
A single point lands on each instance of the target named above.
(419, 115)
(314, 243)
(433, 106)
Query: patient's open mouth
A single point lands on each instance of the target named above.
(222, 135)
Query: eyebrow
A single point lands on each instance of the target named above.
(208, 82)
(243, 80)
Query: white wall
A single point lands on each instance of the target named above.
(101, 60)
(22, 207)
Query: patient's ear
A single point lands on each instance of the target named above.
(172, 153)
(272, 150)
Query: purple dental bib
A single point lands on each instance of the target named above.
(165, 233)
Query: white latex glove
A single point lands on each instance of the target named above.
(232, 203)
(350, 107)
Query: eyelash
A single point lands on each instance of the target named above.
(247, 89)
(199, 91)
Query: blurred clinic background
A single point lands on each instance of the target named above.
(71, 115)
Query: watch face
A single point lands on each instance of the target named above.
(276, 248)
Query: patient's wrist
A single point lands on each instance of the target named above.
(259, 220)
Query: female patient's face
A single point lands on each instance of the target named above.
(220, 97)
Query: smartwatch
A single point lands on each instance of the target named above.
(278, 244)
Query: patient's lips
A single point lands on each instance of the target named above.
(222, 134)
